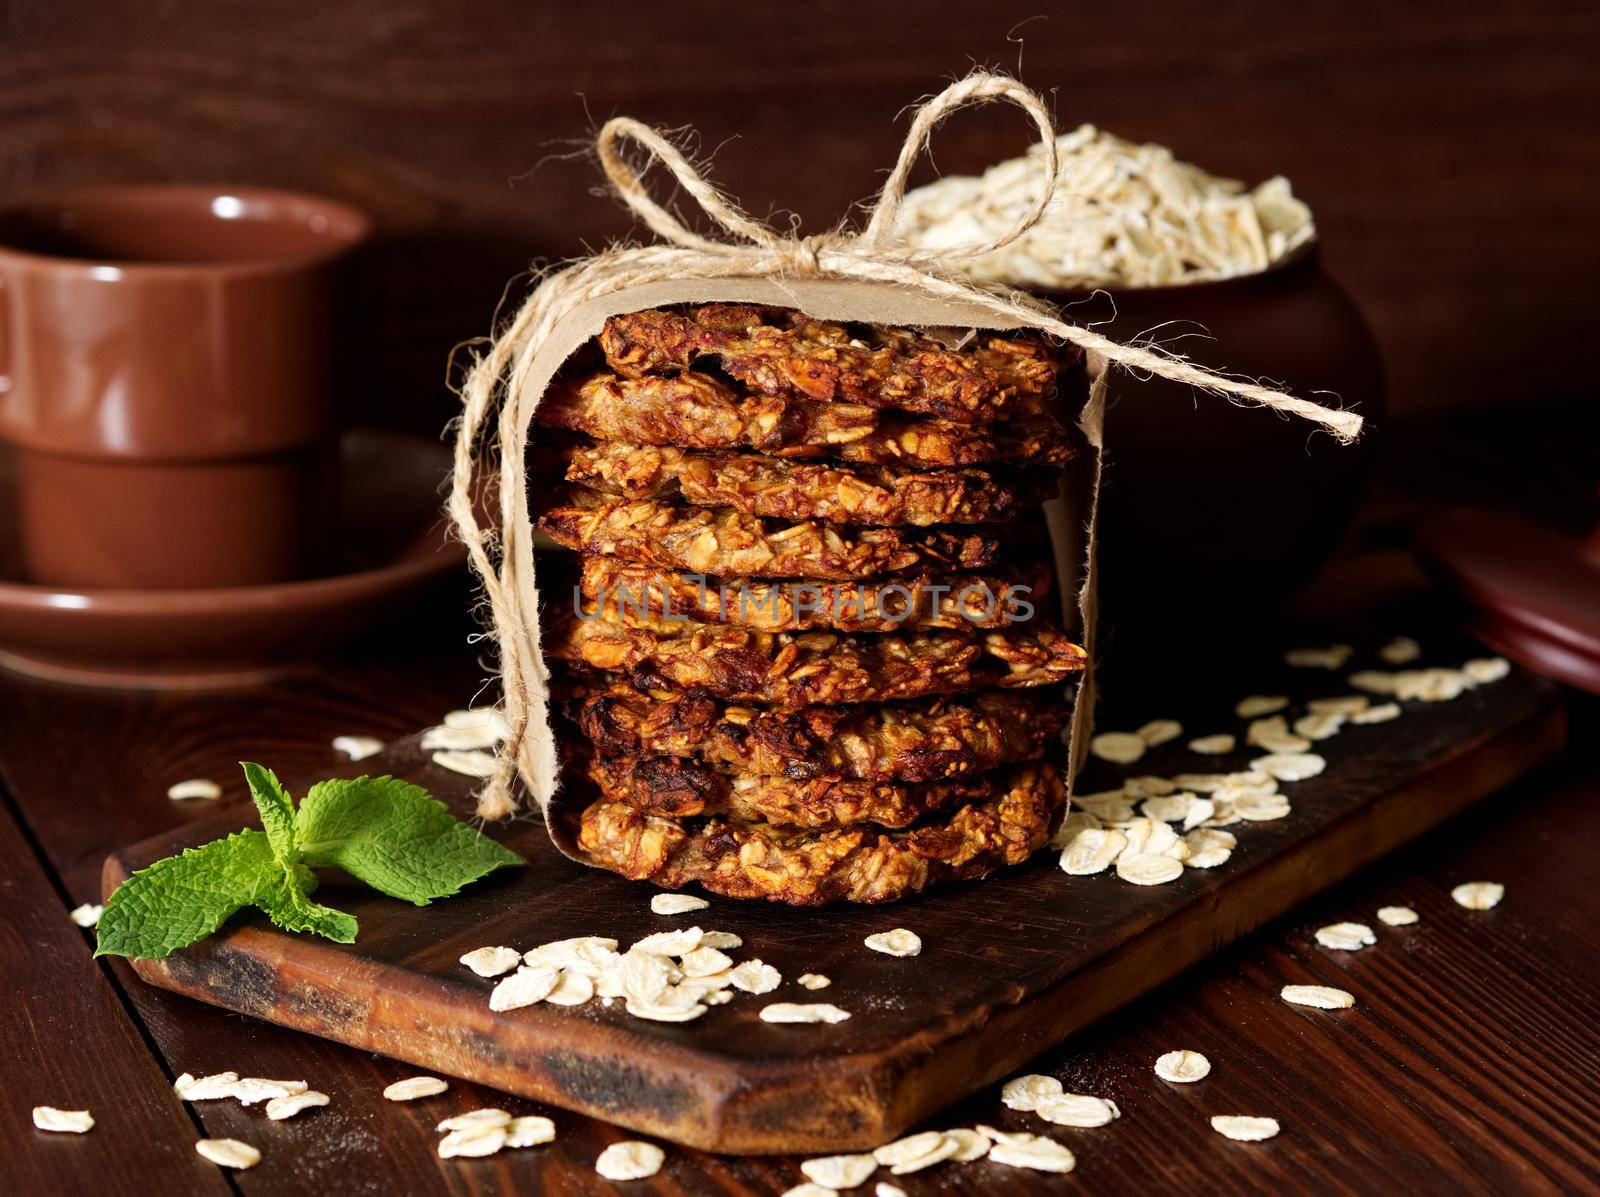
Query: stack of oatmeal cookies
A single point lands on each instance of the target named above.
(810, 653)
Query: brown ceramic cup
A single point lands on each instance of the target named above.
(167, 382)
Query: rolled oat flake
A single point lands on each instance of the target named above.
(1397, 916)
(898, 942)
(1321, 997)
(414, 1087)
(228, 1153)
(840, 1171)
(1478, 895)
(1183, 1067)
(1245, 1128)
(630, 1160)
(1346, 937)
(676, 904)
(1121, 748)
(70, 1122)
(1033, 1151)
(1078, 1109)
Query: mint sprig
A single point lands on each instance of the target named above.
(394, 836)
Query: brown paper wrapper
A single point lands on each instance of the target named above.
(1069, 518)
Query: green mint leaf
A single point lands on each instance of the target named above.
(183, 898)
(289, 905)
(396, 837)
(277, 811)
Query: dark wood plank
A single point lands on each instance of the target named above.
(66, 1041)
(991, 989)
(1325, 1097)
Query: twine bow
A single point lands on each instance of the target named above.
(503, 373)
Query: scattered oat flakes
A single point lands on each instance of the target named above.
(1092, 851)
(630, 1160)
(572, 989)
(1257, 705)
(671, 943)
(723, 940)
(1487, 669)
(1078, 1109)
(1026, 1092)
(69, 1122)
(1033, 1151)
(200, 788)
(802, 1012)
(358, 748)
(1374, 681)
(1212, 745)
(414, 1087)
(251, 1089)
(946, 1149)
(670, 1005)
(1148, 868)
(482, 730)
(1122, 748)
(1381, 713)
(1346, 937)
(840, 1171)
(1171, 808)
(676, 903)
(1396, 916)
(488, 1116)
(1159, 731)
(529, 984)
(1402, 650)
(1290, 766)
(491, 962)
(478, 717)
(1183, 1067)
(1261, 808)
(228, 1153)
(1321, 997)
(1332, 657)
(1246, 1128)
(1209, 847)
(910, 1148)
(474, 763)
(290, 1104)
(530, 1131)
(705, 962)
(87, 915)
(970, 1145)
(1478, 895)
(1346, 705)
(472, 1142)
(898, 942)
(754, 976)
(1273, 735)
(1320, 725)
(812, 981)
(207, 1088)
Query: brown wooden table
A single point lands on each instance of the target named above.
(1473, 1067)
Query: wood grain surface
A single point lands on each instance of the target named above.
(1468, 1066)
(1450, 155)
(1010, 966)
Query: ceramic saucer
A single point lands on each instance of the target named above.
(394, 551)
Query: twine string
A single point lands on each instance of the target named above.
(501, 376)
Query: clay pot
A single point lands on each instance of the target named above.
(1213, 514)
(166, 380)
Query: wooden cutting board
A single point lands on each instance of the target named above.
(1009, 967)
